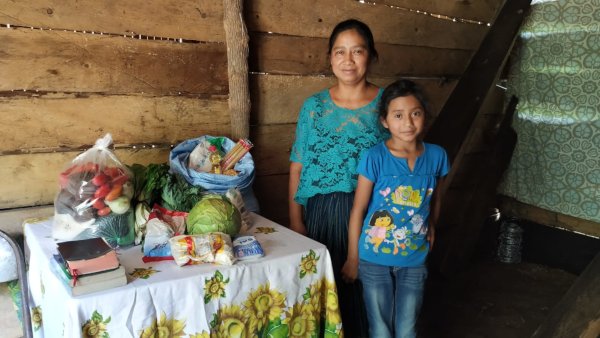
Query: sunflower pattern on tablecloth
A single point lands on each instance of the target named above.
(214, 287)
(265, 230)
(95, 327)
(263, 306)
(204, 334)
(264, 314)
(164, 327)
(265, 311)
(36, 318)
(308, 264)
(143, 273)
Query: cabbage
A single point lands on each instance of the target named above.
(214, 213)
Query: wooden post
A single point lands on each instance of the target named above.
(236, 37)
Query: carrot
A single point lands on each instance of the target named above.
(114, 193)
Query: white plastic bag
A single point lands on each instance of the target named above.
(8, 262)
(94, 199)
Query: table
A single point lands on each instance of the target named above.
(288, 292)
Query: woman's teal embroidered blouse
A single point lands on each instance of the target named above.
(329, 143)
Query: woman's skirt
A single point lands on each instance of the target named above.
(326, 219)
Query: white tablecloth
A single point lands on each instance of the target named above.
(288, 292)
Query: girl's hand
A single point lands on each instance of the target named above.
(350, 271)
(431, 237)
(299, 228)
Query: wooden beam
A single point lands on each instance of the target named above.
(456, 117)
(512, 207)
(73, 121)
(271, 53)
(278, 98)
(199, 20)
(58, 61)
(32, 179)
(237, 66)
(316, 18)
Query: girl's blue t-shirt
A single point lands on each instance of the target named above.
(395, 227)
(330, 140)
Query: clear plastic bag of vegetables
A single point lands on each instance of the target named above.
(94, 199)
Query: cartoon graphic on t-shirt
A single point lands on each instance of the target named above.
(405, 195)
(418, 225)
(403, 202)
(400, 235)
(381, 224)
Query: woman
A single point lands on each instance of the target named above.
(335, 127)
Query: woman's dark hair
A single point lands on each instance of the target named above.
(363, 30)
(402, 88)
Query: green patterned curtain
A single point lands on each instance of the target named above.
(556, 76)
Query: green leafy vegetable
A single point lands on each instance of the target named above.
(178, 194)
(155, 184)
(156, 176)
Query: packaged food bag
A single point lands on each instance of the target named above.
(212, 247)
(161, 226)
(179, 161)
(94, 199)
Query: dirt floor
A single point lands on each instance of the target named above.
(492, 299)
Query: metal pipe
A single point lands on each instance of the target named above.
(23, 282)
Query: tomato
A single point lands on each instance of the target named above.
(99, 204)
(103, 212)
(112, 171)
(100, 179)
(102, 191)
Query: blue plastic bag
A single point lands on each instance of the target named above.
(179, 158)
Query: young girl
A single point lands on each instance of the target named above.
(335, 127)
(400, 177)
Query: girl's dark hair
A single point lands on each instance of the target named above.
(363, 30)
(402, 88)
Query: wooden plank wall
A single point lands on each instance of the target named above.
(288, 61)
(150, 73)
(154, 73)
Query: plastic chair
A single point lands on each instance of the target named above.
(23, 283)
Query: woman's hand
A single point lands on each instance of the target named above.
(295, 209)
(350, 270)
(298, 227)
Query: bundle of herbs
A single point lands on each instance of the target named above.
(156, 184)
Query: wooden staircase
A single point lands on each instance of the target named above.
(479, 142)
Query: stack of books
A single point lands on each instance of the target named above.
(89, 265)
